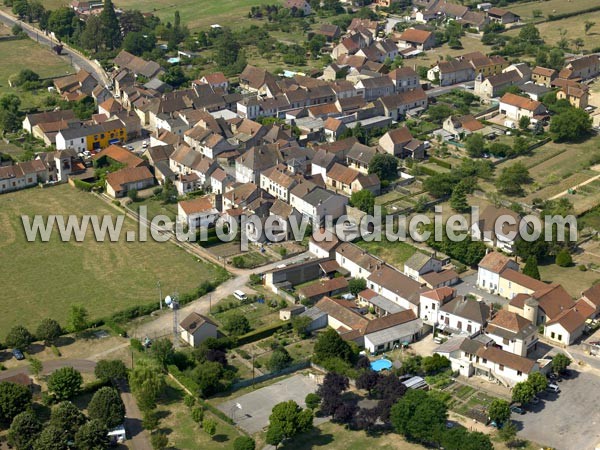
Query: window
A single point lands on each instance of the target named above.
(501, 367)
(519, 373)
(552, 335)
(560, 337)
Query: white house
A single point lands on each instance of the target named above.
(463, 314)
(199, 212)
(499, 228)
(319, 203)
(420, 264)
(490, 267)
(431, 301)
(512, 333)
(514, 107)
(567, 327)
(395, 286)
(196, 328)
(355, 260)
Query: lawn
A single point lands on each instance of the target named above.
(44, 279)
(572, 279)
(183, 432)
(525, 10)
(258, 314)
(26, 54)
(394, 253)
(155, 207)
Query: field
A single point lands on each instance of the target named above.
(525, 10)
(43, 279)
(394, 253)
(550, 31)
(430, 57)
(572, 279)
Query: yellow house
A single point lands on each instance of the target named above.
(512, 283)
(105, 134)
(485, 65)
(576, 96)
(543, 76)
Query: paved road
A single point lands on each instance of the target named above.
(77, 59)
(436, 92)
(138, 438)
(469, 286)
(82, 365)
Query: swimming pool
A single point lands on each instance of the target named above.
(381, 364)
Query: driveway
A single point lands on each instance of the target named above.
(566, 421)
(82, 365)
(138, 438)
(469, 286)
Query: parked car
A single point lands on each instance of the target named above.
(535, 400)
(554, 377)
(552, 387)
(517, 409)
(240, 295)
(18, 354)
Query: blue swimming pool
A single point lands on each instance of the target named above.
(381, 364)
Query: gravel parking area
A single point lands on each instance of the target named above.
(569, 420)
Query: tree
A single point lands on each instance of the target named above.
(435, 364)
(48, 331)
(287, 420)
(150, 420)
(227, 49)
(19, 337)
(208, 377)
(300, 325)
(132, 21)
(14, 399)
(67, 417)
(147, 382)
(512, 178)
(538, 382)
(91, 38)
(174, 76)
(499, 410)
(529, 33)
(138, 42)
(330, 392)
(475, 145)
(61, 21)
(458, 199)
(312, 401)
(111, 29)
(385, 166)
(588, 24)
(107, 407)
(20, 8)
(461, 439)
(524, 123)
(556, 59)
(440, 185)
(563, 258)
(162, 351)
(570, 125)
(363, 200)
(92, 435)
(356, 285)
(24, 430)
(78, 318)
(315, 45)
(244, 443)
(35, 366)
(560, 362)
(65, 383)
(159, 441)
(367, 380)
(237, 324)
(110, 370)
(9, 112)
(522, 392)
(508, 432)
(279, 360)
(330, 345)
(210, 426)
(531, 268)
(51, 438)
(419, 416)
(198, 414)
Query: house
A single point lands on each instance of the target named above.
(22, 175)
(219, 181)
(196, 328)
(474, 19)
(197, 213)
(118, 154)
(502, 366)
(512, 333)
(395, 286)
(331, 32)
(249, 166)
(359, 157)
(380, 305)
(132, 178)
(333, 129)
(462, 126)
(577, 96)
(137, 65)
(216, 80)
(430, 303)
(502, 16)
(323, 288)
(567, 327)
(399, 142)
(76, 86)
(485, 65)
(322, 162)
(490, 268)
(358, 262)
(543, 76)
(291, 311)
(404, 78)
(348, 181)
(419, 264)
(31, 120)
(398, 105)
(543, 305)
(60, 164)
(257, 80)
(373, 88)
(299, 5)
(82, 137)
(277, 182)
(513, 283)
(591, 296)
(462, 315)
(419, 39)
(451, 72)
(323, 243)
(498, 228)
(582, 68)
(522, 69)
(494, 85)
(445, 277)
(318, 204)
(534, 91)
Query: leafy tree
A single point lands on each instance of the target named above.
(531, 268)
(92, 435)
(440, 185)
(300, 325)
(65, 383)
(563, 258)
(162, 351)
(312, 401)
(147, 383)
(20, 8)
(570, 125)
(419, 416)
(538, 382)
(560, 362)
(458, 199)
(208, 377)
(24, 430)
(499, 410)
(78, 318)
(556, 59)
(274, 434)
(588, 24)
(330, 392)
(244, 443)
(367, 380)
(330, 345)
(363, 200)
(174, 76)
(111, 29)
(434, 364)
(132, 21)
(19, 337)
(287, 420)
(91, 37)
(237, 324)
(512, 178)
(198, 414)
(61, 21)
(35, 366)
(508, 432)
(385, 166)
(138, 42)
(159, 441)
(279, 360)
(107, 407)
(210, 426)
(461, 439)
(48, 331)
(9, 112)
(345, 412)
(475, 145)
(67, 417)
(522, 392)
(110, 370)
(14, 399)
(315, 45)
(51, 438)
(529, 33)
(150, 420)
(356, 285)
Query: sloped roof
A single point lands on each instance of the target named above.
(415, 35)
(520, 102)
(194, 321)
(440, 294)
(334, 308)
(396, 282)
(129, 175)
(507, 359)
(323, 287)
(495, 262)
(467, 308)
(196, 205)
(121, 155)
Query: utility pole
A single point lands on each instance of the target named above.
(209, 303)
(159, 294)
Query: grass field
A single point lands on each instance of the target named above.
(43, 279)
(572, 279)
(525, 10)
(394, 253)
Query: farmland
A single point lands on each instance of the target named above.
(44, 279)
(525, 10)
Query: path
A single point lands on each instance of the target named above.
(138, 438)
(82, 365)
(76, 58)
(577, 186)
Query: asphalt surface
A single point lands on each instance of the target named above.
(82, 365)
(69, 54)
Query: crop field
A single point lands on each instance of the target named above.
(43, 279)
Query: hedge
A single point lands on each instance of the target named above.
(83, 185)
(262, 333)
(440, 162)
(554, 17)
(426, 170)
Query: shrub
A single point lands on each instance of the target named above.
(582, 267)
(56, 351)
(563, 258)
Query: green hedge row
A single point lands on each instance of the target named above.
(83, 185)
(440, 162)
(426, 170)
(553, 17)
(262, 333)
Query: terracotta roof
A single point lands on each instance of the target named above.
(358, 256)
(454, 66)
(437, 278)
(593, 294)
(510, 321)
(416, 36)
(329, 266)
(520, 102)
(120, 155)
(507, 359)
(194, 321)
(585, 309)
(333, 124)
(523, 280)
(327, 240)
(215, 78)
(553, 300)
(342, 174)
(396, 282)
(196, 205)
(495, 262)
(440, 294)
(470, 123)
(570, 319)
(400, 135)
(367, 294)
(543, 71)
(129, 175)
(334, 308)
(321, 288)
(518, 301)
(497, 12)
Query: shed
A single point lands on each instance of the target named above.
(291, 311)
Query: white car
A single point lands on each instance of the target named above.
(240, 295)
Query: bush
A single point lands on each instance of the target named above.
(56, 351)
(582, 267)
(563, 258)
(136, 344)
(244, 443)
(198, 414)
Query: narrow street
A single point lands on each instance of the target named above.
(137, 437)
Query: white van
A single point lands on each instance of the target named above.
(240, 295)
(552, 387)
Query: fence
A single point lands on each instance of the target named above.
(268, 376)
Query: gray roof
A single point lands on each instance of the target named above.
(318, 195)
(532, 88)
(417, 260)
(313, 313)
(385, 304)
(467, 308)
(401, 331)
